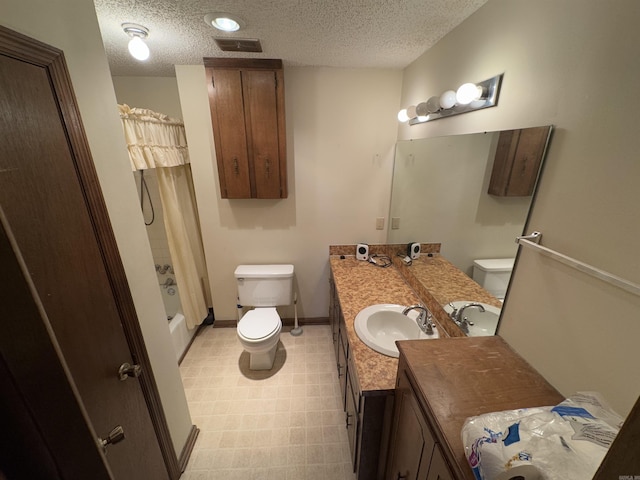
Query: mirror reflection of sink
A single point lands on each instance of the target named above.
(481, 324)
(379, 326)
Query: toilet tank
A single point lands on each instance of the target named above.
(264, 285)
(493, 274)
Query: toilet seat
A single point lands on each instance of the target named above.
(259, 324)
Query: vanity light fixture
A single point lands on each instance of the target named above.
(224, 21)
(137, 48)
(468, 98)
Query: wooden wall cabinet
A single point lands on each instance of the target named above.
(246, 98)
(517, 161)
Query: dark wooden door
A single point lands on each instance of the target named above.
(47, 209)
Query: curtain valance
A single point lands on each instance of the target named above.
(153, 139)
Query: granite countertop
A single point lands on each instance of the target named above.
(432, 280)
(359, 285)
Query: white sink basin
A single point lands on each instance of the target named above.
(379, 326)
(481, 324)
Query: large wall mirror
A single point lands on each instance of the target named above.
(440, 194)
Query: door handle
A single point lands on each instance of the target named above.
(115, 436)
(127, 370)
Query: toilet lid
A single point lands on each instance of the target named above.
(259, 323)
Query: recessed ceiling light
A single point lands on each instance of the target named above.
(224, 21)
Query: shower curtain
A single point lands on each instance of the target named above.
(157, 141)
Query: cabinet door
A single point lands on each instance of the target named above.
(342, 363)
(411, 441)
(261, 119)
(438, 470)
(227, 115)
(517, 161)
(352, 420)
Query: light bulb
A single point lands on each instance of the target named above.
(226, 24)
(467, 93)
(224, 21)
(433, 104)
(138, 49)
(402, 115)
(422, 109)
(411, 112)
(448, 99)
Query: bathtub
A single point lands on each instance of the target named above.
(180, 335)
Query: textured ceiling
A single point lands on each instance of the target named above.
(335, 33)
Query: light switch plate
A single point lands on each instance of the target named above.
(380, 223)
(395, 223)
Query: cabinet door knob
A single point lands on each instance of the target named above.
(348, 417)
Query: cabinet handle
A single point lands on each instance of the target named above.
(236, 168)
(348, 417)
(401, 477)
(267, 166)
(340, 367)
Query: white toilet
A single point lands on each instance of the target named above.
(493, 275)
(263, 287)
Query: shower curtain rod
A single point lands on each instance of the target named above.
(531, 241)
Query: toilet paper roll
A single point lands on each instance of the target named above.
(521, 472)
(499, 463)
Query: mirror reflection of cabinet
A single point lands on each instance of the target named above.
(246, 98)
(517, 161)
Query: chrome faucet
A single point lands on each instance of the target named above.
(424, 318)
(457, 315)
(168, 282)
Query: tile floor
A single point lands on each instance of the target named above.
(287, 423)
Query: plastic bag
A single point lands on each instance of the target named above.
(562, 442)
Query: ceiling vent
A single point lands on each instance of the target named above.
(238, 44)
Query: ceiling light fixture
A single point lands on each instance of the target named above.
(468, 98)
(224, 21)
(137, 48)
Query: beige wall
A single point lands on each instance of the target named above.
(71, 26)
(571, 64)
(341, 133)
(159, 94)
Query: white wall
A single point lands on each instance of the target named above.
(71, 26)
(159, 94)
(341, 132)
(572, 64)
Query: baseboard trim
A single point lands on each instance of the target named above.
(188, 448)
(186, 350)
(287, 322)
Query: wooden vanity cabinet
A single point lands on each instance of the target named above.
(440, 383)
(367, 414)
(246, 99)
(413, 452)
(517, 161)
